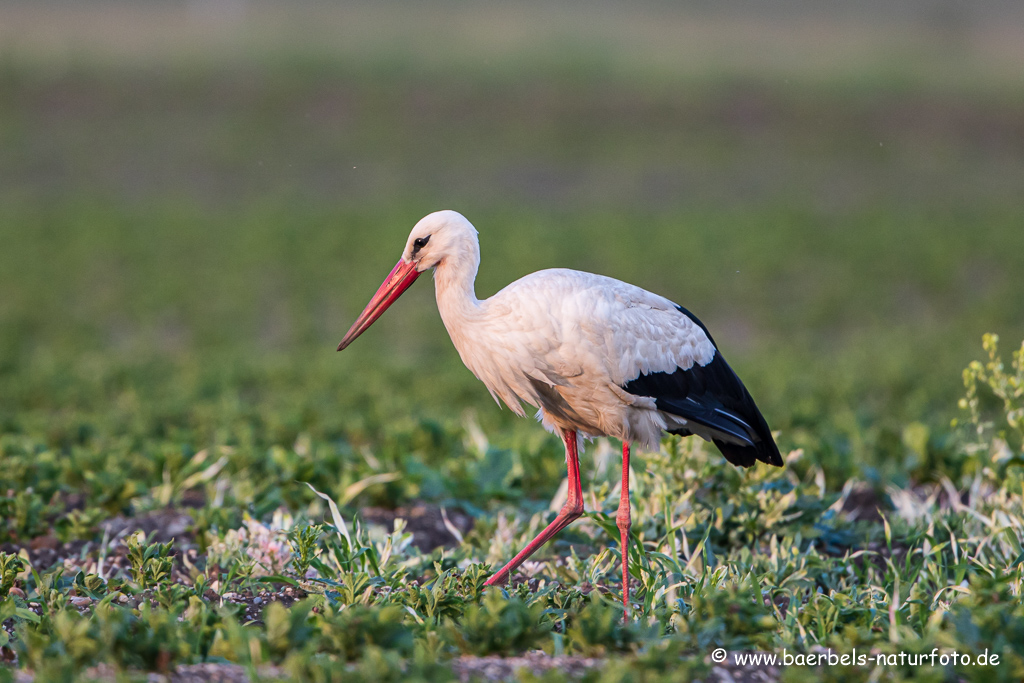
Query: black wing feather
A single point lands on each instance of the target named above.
(713, 396)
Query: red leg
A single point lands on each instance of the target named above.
(624, 521)
(572, 510)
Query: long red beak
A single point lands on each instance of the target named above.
(401, 276)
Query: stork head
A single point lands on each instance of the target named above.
(439, 236)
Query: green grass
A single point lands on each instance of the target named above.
(750, 561)
(184, 238)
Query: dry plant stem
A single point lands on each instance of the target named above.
(624, 522)
(571, 511)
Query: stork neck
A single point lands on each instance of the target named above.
(454, 281)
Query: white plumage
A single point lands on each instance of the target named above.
(565, 342)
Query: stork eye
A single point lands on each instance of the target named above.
(419, 243)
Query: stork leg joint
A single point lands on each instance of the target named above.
(623, 520)
(572, 510)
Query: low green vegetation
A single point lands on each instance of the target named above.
(760, 561)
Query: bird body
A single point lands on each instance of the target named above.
(595, 356)
(574, 344)
(566, 342)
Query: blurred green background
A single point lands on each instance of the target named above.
(197, 198)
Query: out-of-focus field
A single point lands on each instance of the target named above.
(197, 198)
(838, 199)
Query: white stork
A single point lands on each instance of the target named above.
(595, 356)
